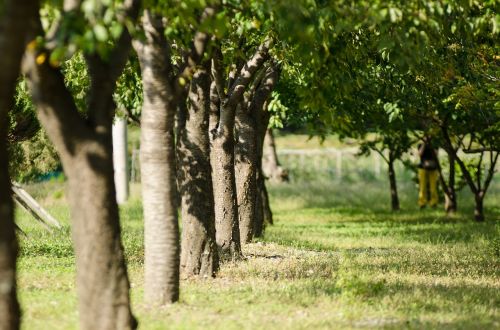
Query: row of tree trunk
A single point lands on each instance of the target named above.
(191, 165)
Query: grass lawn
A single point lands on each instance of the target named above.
(335, 258)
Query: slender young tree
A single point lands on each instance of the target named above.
(84, 144)
(16, 20)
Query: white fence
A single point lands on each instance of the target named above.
(326, 163)
(333, 163)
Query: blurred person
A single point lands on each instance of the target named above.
(427, 174)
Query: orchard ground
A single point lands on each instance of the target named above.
(335, 258)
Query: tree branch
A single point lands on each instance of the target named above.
(105, 72)
(131, 118)
(480, 150)
(55, 104)
(194, 57)
(463, 168)
(246, 73)
(491, 170)
(217, 72)
(264, 89)
(214, 107)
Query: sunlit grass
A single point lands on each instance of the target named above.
(335, 258)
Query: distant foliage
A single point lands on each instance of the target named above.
(33, 158)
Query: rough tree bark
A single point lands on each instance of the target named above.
(85, 147)
(393, 182)
(16, 21)
(227, 232)
(222, 154)
(224, 188)
(264, 213)
(199, 249)
(158, 172)
(160, 184)
(258, 109)
(245, 151)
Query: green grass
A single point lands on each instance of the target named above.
(335, 258)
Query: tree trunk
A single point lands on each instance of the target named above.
(222, 148)
(260, 207)
(246, 167)
(85, 148)
(270, 163)
(15, 23)
(450, 204)
(266, 206)
(267, 214)
(9, 306)
(263, 214)
(199, 249)
(102, 281)
(226, 224)
(224, 184)
(479, 209)
(158, 172)
(393, 185)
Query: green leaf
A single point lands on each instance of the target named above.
(100, 32)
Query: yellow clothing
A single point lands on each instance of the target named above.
(427, 177)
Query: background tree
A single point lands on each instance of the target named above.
(456, 81)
